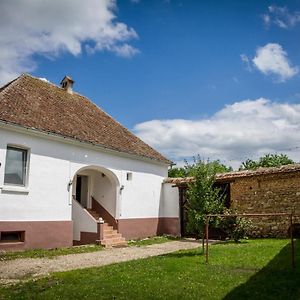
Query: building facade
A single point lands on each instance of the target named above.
(62, 178)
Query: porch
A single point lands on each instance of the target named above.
(95, 194)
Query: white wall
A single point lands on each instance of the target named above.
(83, 221)
(53, 163)
(104, 191)
(170, 201)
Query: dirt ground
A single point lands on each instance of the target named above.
(22, 269)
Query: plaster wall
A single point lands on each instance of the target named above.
(53, 165)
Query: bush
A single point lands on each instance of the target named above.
(236, 227)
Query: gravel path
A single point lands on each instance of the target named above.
(16, 270)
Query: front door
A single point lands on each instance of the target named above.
(82, 190)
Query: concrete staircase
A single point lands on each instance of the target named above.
(111, 237)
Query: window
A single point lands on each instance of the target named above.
(12, 236)
(15, 166)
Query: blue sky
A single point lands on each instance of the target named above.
(189, 69)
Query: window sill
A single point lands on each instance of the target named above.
(15, 189)
(11, 242)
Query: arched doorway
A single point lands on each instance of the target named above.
(95, 194)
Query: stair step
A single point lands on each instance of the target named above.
(113, 242)
(108, 232)
(114, 245)
(106, 226)
(111, 235)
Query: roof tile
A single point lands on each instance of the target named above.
(33, 103)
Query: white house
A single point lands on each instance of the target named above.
(70, 174)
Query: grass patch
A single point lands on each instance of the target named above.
(152, 240)
(41, 253)
(256, 269)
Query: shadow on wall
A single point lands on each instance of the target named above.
(277, 280)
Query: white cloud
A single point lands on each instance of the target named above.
(44, 79)
(271, 59)
(246, 129)
(281, 17)
(34, 27)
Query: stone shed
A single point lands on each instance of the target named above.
(266, 190)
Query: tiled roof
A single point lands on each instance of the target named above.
(221, 177)
(260, 171)
(36, 104)
(179, 180)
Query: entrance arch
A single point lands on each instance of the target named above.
(97, 188)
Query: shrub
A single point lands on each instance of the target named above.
(235, 227)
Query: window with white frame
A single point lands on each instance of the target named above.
(16, 166)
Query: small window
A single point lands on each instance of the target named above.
(12, 236)
(129, 176)
(15, 166)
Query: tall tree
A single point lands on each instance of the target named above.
(203, 197)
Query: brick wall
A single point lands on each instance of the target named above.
(268, 194)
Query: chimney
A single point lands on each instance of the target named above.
(67, 84)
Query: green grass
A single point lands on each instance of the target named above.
(256, 269)
(40, 253)
(152, 240)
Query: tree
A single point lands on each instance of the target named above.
(177, 172)
(266, 161)
(188, 169)
(203, 198)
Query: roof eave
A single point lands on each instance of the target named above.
(66, 138)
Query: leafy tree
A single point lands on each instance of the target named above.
(203, 198)
(269, 160)
(188, 169)
(177, 172)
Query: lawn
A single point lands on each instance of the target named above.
(256, 269)
(49, 253)
(153, 240)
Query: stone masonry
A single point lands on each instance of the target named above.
(268, 193)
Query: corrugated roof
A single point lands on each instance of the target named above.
(36, 104)
(240, 174)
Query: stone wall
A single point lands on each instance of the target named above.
(268, 194)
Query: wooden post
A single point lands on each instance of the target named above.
(206, 234)
(292, 241)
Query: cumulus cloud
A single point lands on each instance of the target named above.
(281, 17)
(246, 129)
(272, 59)
(30, 28)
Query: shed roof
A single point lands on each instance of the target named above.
(36, 104)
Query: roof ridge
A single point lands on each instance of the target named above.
(93, 103)
(10, 83)
(35, 103)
